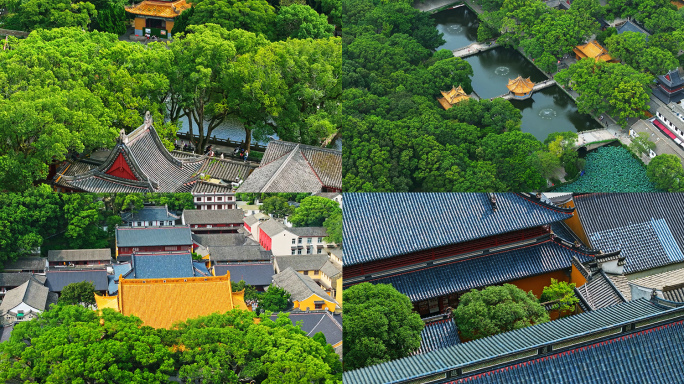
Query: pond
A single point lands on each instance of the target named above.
(547, 111)
(459, 26)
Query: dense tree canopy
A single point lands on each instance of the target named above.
(560, 291)
(275, 299)
(82, 293)
(313, 211)
(379, 325)
(666, 173)
(276, 206)
(497, 309)
(75, 344)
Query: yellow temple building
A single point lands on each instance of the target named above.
(593, 50)
(455, 96)
(162, 302)
(520, 88)
(156, 17)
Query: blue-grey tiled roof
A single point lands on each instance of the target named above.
(381, 225)
(317, 321)
(119, 269)
(201, 267)
(153, 236)
(488, 348)
(598, 292)
(251, 273)
(155, 266)
(57, 280)
(438, 334)
(482, 271)
(150, 213)
(647, 227)
(651, 356)
(631, 27)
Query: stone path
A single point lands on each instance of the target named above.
(473, 48)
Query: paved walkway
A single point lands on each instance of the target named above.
(473, 48)
(432, 5)
(664, 145)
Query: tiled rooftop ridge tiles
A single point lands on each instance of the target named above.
(564, 353)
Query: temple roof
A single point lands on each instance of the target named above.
(593, 50)
(139, 162)
(58, 279)
(162, 266)
(480, 271)
(150, 213)
(672, 79)
(409, 222)
(599, 292)
(153, 236)
(455, 95)
(29, 263)
(31, 293)
(299, 286)
(238, 253)
(520, 85)
(165, 9)
(213, 216)
(438, 334)
(15, 279)
(648, 356)
(317, 321)
(629, 26)
(162, 302)
(646, 227)
(103, 254)
(251, 273)
(292, 167)
(515, 346)
(220, 239)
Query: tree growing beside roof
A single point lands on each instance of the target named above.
(665, 171)
(274, 300)
(497, 309)
(82, 293)
(380, 325)
(276, 206)
(313, 211)
(562, 291)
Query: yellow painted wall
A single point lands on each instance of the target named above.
(575, 224)
(338, 291)
(536, 284)
(577, 277)
(169, 25)
(309, 302)
(139, 23)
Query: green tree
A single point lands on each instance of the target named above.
(301, 22)
(379, 325)
(665, 171)
(562, 291)
(333, 226)
(35, 14)
(250, 292)
(256, 16)
(180, 24)
(313, 211)
(82, 293)
(84, 214)
(497, 309)
(62, 342)
(275, 299)
(276, 206)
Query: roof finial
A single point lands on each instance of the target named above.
(123, 138)
(148, 119)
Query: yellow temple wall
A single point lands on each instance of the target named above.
(139, 23)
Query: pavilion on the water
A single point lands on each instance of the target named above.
(520, 88)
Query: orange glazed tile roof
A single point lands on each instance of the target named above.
(107, 302)
(452, 97)
(594, 50)
(162, 302)
(520, 85)
(167, 9)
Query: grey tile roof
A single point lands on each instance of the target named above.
(292, 167)
(661, 280)
(205, 187)
(671, 117)
(272, 227)
(31, 293)
(650, 356)
(251, 220)
(119, 270)
(481, 271)
(675, 79)
(299, 286)
(103, 254)
(332, 270)
(161, 266)
(251, 273)
(238, 253)
(15, 279)
(219, 239)
(631, 27)
(646, 227)
(57, 280)
(622, 284)
(438, 334)
(598, 292)
(150, 213)
(317, 321)
(301, 262)
(410, 222)
(675, 294)
(308, 231)
(213, 216)
(226, 169)
(508, 343)
(6, 332)
(27, 264)
(153, 236)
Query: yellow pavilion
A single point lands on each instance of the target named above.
(456, 95)
(593, 50)
(520, 88)
(156, 17)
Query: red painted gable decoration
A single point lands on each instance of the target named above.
(120, 168)
(668, 77)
